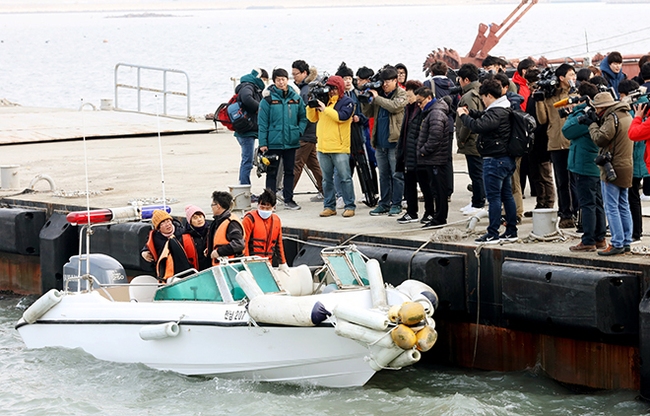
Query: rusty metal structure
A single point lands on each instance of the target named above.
(489, 36)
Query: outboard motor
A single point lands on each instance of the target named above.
(105, 269)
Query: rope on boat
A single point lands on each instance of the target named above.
(477, 254)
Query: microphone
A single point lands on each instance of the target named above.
(561, 103)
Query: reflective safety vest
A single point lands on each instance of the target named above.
(261, 242)
(187, 246)
(220, 237)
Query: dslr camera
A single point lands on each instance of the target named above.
(604, 160)
(375, 83)
(546, 86)
(262, 161)
(318, 91)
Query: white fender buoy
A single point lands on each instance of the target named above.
(361, 333)
(42, 305)
(365, 317)
(405, 359)
(248, 284)
(380, 357)
(377, 287)
(282, 310)
(160, 331)
(413, 288)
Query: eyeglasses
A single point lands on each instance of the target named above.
(214, 205)
(419, 102)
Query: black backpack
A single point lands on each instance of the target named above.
(522, 128)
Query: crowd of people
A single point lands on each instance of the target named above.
(589, 153)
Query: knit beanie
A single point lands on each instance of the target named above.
(344, 71)
(190, 210)
(365, 72)
(159, 216)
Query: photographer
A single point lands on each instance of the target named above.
(608, 127)
(387, 108)
(333, 120)
(582, 153)
(553, 90)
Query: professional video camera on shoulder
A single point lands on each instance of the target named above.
(375, 83)
(547, 85)
(638, 94)
(318, 91)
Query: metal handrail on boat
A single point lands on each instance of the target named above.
(139, 87)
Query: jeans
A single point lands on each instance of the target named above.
(247, 145)
(635, 208)
(475, 170)
(617, 210)
(497, 176)
(391, 183)
(590, 200)
(567, 200)
(288, 157)
(340, 161)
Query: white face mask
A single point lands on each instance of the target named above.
(264, 214)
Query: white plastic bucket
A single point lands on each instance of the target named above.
(106, 104)
(544, 220)
(9, 177)
(241, 195)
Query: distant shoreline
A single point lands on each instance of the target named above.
(40, 6)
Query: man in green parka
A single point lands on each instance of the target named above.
(282, 120)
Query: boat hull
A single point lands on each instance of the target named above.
(214, 340)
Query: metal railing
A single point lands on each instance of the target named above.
(139, 88)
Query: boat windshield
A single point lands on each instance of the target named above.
(200, 287)
(347, 267)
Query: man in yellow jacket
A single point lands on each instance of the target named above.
(333, 131)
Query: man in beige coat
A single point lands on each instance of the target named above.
(609, 132)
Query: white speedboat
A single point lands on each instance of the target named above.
(242, 319)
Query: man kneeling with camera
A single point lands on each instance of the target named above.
(608, 127)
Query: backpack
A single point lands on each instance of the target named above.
(233, 117)
(522, 128)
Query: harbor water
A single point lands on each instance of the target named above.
(56, 59)
(71, 382)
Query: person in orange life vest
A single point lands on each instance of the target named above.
(167, 248)
(197, 228)
(263, 230)
(226, 234)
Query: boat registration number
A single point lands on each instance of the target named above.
(234, 315)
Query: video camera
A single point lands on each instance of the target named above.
(263, 161)
(375, 83)
(318, 91)
(546, 86)
(633, 96)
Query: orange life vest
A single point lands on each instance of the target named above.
(220, 236)
(187, 246)
(260, 242)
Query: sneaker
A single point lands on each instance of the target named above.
(291, 205)
(487, 239)
(612, 251)
(627, 249)
(645, 198)
(471, 211)
(327, 212)
(567, 223)
(379, 210)
(601, 244)
(427, 218)
(318, 198)
(339, 203)
(508, 238)
(406, 219)
(394, 211)
(348, 213)
(582, 248)
(466, 207)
